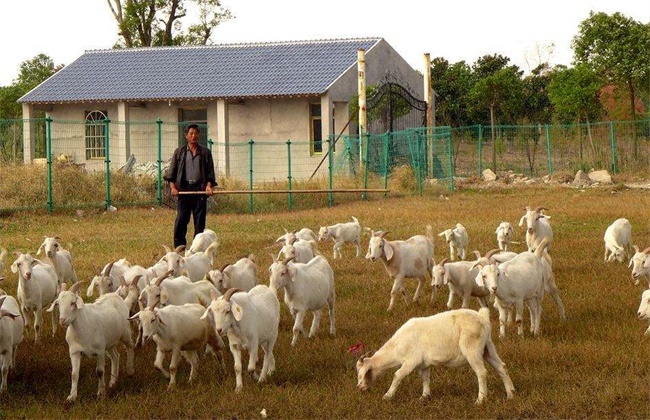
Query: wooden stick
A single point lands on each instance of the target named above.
(344, 190)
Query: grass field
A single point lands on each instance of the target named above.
(594, 365)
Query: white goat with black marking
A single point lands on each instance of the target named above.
(179, 330)
(342, 233)
(60, 259)
(412, 258)
(618, 241)
(11, 335)
(307, 287)
(451, 339)
(250, 319)
(504, 232)
(241, 275)
(38, 286)
(457, 240)
(95, 329)
(202, 241)
(537, 228)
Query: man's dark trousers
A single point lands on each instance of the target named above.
(194, 205)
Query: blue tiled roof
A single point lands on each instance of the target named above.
(217, 71)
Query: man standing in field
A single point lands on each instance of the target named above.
(191, 170)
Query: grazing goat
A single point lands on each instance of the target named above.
(202, 241)
(11, 335)
(618, 241)
(640, 263)
(342, 233)
(504, 232)
(307, 287)
(537, 228)
(300, 250)
(176, 291)
(241, 275)
(644, 308)
(37, 288)
(449, 339)
(178, 329)
(304, 234)
(60, 259)
(412, 258)
(460, 277)
(250, 319)
(95, 329)
(457, 240)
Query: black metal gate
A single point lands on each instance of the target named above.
(393, 108)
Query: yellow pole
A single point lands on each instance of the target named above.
(363, 123)
(427, 99)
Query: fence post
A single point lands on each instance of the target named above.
(450, 151)
(612, 143)
(480, 150)
(365, 165)
(330, 195)
(48, 153)
(386, 139)
(290, 195)
(548, 150)
(250, 165)
(107, 123)
(159, 195)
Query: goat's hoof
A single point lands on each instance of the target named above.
(387, 396)
(425, 397)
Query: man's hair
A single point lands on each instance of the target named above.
(195, 126)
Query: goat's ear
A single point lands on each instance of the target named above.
(388, 250)
(135, 317)
(237, 311)
(205, 314)
(79, 302)
(40, 249)
(51, 308)
(164, 296)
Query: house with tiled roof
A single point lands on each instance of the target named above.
(274, 91)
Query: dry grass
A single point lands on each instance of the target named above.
(593, 366)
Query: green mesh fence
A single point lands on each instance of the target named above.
(106, 163)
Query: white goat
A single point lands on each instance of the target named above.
(181, 331)
(37, 288)
(640, 263)
(108, 279)
(457, 240)
(644, 308)
(412, 258)
(504, 232)
(202, 241)
(95, 329)
(60, 259)
(176, 291)
(537, 228)
(241, 275)
(196, 266)
(304, 233)
(307, 287)
(342, 233)
(11, 335)
(460, 277)
(300, 250)
(618, 241)
(514, 283)
(3, 255)
(449, 339)
(251, 319)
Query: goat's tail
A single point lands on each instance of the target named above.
(430, 233)
(484, 313)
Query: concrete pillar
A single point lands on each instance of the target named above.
(28, 133)
(120, 136)
(223, 141)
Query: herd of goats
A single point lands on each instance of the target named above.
(186, 306)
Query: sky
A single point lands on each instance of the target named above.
(456, 30)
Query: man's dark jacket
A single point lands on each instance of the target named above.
(177, 167)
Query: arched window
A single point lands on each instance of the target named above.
(96, 134)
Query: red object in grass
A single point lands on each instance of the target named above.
(356, 349)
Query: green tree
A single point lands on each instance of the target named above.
(145, 23)
(536, 104)
(452, 83)
(618, 48)
(9, 107)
